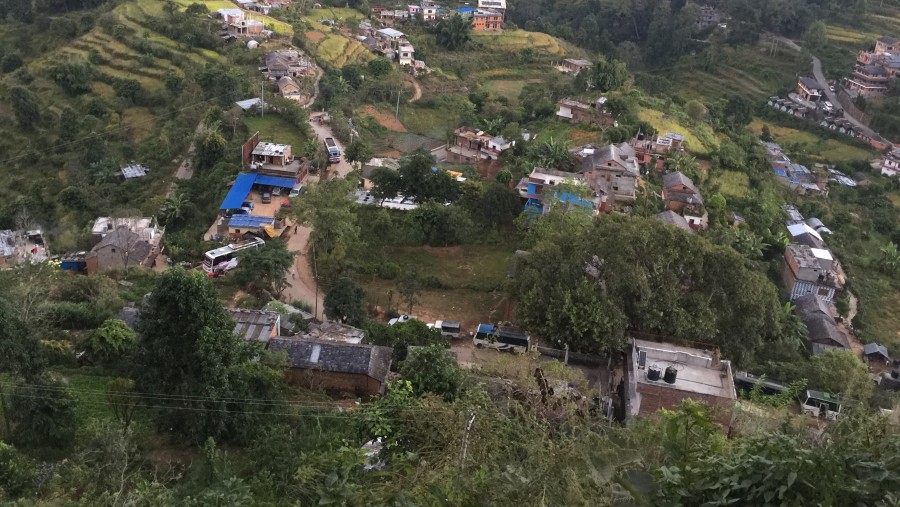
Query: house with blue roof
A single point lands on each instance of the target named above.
(539, 200)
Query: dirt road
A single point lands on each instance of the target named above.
(339, 170)
(301, 282)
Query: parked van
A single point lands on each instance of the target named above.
(295, 191)
(448, 328)
(820, 404)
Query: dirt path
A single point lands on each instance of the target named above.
(301, 282)
(315, 95)
(417, 88)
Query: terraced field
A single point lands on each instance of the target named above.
(518, 40)
(698, 139)
(333, 48)
(818, 148)
(277, 26)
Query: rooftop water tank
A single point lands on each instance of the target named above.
(671, 374)
(653, 373)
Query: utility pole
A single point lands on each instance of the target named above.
(397, 111)
(262, 99)
(465, 443)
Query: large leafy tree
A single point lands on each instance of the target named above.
(42, 413)
(421, 181)
(192, 366)
(454, 32)
(433, 369)
(586, 284)
(344, 302)
(264, 269)
(403, 335)
(25, 106)
(328, 209)
(110, 341)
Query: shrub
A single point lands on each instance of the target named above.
(17, 472)
(110, 341)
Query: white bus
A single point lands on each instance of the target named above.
(501, 338)
(820, 404)
(218, 258)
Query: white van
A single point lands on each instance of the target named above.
(820, 404)
(296, 190)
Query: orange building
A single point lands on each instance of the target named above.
(485, 19)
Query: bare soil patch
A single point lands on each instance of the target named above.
(386, 120)
(315, 37)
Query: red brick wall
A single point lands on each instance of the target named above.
(654, 398)
(361, 385)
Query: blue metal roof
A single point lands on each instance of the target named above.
(239, 191)
(275, 181)
(465, 9)
(250, 221)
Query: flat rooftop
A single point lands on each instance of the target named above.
(698, 371)
(271, 149)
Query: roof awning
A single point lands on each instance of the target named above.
(270, 231)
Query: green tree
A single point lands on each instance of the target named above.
(188, 352)
(344, 302)
(74, 76)
(454, 32)
(42, 413)
(10, 63)
(69, 123)
(498, 206)
(210, 147)
(766, 134)
(695, 110)
(358, 153)
(386, 183)
(552, 154)
(174, 82)
(433, 369)
(17, 473)
(328, 208)
(890, 258)
(815, 37)
(124, 401)
(25, 106)
(504, 177)
(839, 371)
(738, 111)
(379, 67)
(21, 357)
(110, 341)
(421, 181)
(410, 288)
(263, 270)
(607, 75)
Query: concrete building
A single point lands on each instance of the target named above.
(123, 242)
(611, 171)
(662, 375)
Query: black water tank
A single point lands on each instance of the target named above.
(653, 373)
(671, 374)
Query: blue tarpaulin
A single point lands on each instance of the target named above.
(244, 183)
(275, 181)
(250, 221)
(239, 191)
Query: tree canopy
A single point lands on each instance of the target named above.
(586, 284)
(188, 352)
(344, 302)
(453, 32)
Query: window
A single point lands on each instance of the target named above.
(238, 231)
(314, 356)
(113, 250)
(616, 189)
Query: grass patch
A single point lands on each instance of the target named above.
(140, 122)
(895, 199)
(818, 148)
(733, 184)
(89, 392)
(459, 266)
(429, 122)
(511, 89)
(692, 136)
(274, 129)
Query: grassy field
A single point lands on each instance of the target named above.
(89, 392)
(274, 129)
(733, 184)
(426, 121)
(818, 148)
(692, 136)
(472, 277)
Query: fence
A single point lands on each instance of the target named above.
(574, 357)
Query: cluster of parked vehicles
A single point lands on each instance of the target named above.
(499, 337)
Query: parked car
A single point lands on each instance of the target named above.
(276, 190)
(401, 319)
(266, 198)
(247, 204)
(295, 191)
(286, 203)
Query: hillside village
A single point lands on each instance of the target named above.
(447, 253)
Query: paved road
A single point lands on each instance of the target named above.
(820, 77)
